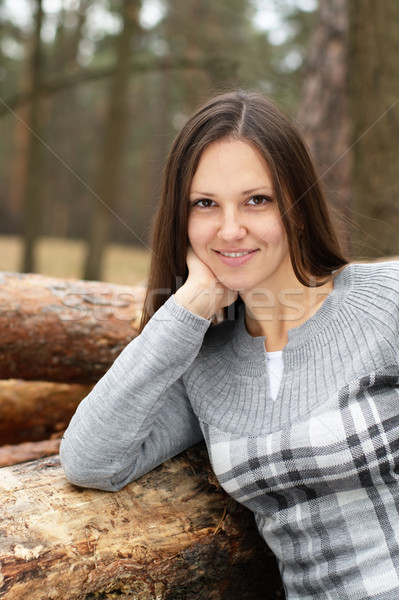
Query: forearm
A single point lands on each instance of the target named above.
(137, 415)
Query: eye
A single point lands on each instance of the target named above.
(204, 203)
(259, 200)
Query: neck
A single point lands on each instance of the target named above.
(272, 314)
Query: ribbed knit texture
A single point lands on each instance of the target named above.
(318, 466)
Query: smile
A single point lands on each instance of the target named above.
(236, 258)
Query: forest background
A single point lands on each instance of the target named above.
(93, 92)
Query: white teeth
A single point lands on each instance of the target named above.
(234, 254)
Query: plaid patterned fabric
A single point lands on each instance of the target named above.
(325, 492)
(319, 466)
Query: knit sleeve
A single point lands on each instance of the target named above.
(138, 414)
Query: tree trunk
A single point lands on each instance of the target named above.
(63, 192)
(20, 165)
(33, 190)
(323, 113)
(172, 534)
(66, 331)
(35, 410)
(374, 91)
(112, 155)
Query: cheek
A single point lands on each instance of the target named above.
(191, 231)
(273, 233)
(198, 234)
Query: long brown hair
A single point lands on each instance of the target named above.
(249, 116)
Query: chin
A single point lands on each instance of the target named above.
(237, 286)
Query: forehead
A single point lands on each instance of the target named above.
(231, 160)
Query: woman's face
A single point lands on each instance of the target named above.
(234, 223)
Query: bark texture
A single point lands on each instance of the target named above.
(374, 93)
(171, 535)
(65, 331)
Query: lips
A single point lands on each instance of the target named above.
(235, 257)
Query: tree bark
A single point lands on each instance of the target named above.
(374, 92)
(65, 331)
(173, 534)
(35, 410)
(323, 112)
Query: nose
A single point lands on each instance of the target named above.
(231, 227)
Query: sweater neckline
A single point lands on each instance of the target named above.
(247, 345)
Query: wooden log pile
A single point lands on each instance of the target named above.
(171, 535)
(57, 339)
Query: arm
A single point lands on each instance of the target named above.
(138, 415)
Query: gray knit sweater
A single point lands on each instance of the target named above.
(319, 466)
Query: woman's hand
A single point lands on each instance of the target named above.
(202, 293)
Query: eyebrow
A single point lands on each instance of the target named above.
(244, 193)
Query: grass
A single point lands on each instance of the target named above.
(64, 258)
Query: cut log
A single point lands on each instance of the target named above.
(19, 453)
(35, 410)
(66, 331)
(171, 535)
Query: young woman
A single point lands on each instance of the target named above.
(295, 391)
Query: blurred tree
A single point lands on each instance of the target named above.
(34, 186)
(14, 75)
(374, 95)
(349, 112)
(61, 208)
(211, 31)
(68, 36)
(289, 47)
(113, 144)
(323, 110)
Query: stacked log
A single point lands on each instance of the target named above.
(13, 454)
(35, 410)
(66, 331)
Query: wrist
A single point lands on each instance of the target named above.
(196, 299)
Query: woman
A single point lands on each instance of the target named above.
(295, 391)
